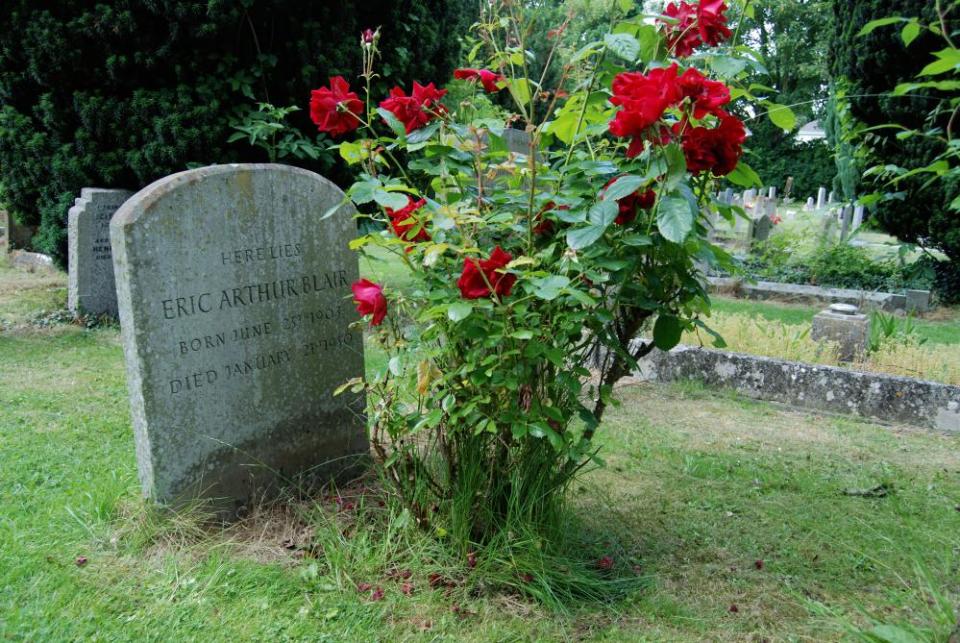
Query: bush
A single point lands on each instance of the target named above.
(835, 266)
(120, 94)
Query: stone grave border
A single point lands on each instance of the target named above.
(803, 293)
(884, 398)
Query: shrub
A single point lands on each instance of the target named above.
(120, 94)
(529, 261)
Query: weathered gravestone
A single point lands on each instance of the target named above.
(234, 308)
(821, 198)
(90, 263)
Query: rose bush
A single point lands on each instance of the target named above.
(534, 271)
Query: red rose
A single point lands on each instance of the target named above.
(402, 221)
(643, 98)
(414, 111)
(711, 22)
(718, 149)
(486, 77)
(682, 37)
(369, 299)
(706, 95)
(544, 225)
(627, 206)
(335, 110)
(368, 37)
(478, 276)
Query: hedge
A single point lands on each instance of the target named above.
(119, 94)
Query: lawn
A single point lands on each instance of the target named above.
(741, 518)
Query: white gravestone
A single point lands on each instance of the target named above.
(91, 289)
(235, 308)
(821, 198)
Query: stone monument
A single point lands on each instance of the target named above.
(845, 325)
(235, 311)
(90, 263)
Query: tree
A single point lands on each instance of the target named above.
(792, 36)
(868, 67)
(120, 94)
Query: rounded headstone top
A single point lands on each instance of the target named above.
(843, 309)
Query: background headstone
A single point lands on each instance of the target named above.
(821, 198)
(846, 217)
(772, 192)
(18, 236)
(90, 264)
(788, 188)
(235, 308)
(857, 218)
(809, 205)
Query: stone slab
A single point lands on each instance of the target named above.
(91, 289)
(886, 398)
(802, 293)
(849, 330)
(235, 311)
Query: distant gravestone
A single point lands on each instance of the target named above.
(857, 218)
(788, 188)
(91, 289)
(235, 307)
(772, 192)
(809, 205)
(846, 218)
(821, 198)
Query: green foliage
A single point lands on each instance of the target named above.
(266, 127)
(833, 265)
(888, 328)
(485, 411)
(776, 156)
(898, 120)
(120, 94)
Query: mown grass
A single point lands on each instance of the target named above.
(716, 501)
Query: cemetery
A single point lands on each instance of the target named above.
(581, 320)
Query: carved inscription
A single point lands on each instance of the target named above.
(277, 338)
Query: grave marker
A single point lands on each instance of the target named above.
(92, 290)
(821, 198)
(235, 307)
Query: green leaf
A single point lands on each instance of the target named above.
(744, 176)
(391, 200)
(581, 238)
(350, 152)
(947, 60)
(910, 32)
(880, 22)
(520, 89)
(637, 240)
(459, 311)
(676, 165)
(666, 332)
(650, 40)
(603, 213)
(623, 45)
(548, 288)
(524, 333)
(423, 134)
(674, 219)
(622, 186)
(782, 116)
(392, 122)
(727, 66)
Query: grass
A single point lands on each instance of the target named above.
(698, 489)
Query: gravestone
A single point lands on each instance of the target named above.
(18, 236)
(90, 263)
(772, 192)
(788, 188)
(844, 325)
(918, 301)
(846, 217)
(235, 308)
(821, 198)
(857, 218)
(809, 204)
(727, 196)
(832, 198)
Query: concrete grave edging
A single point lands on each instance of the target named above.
(887, 398)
